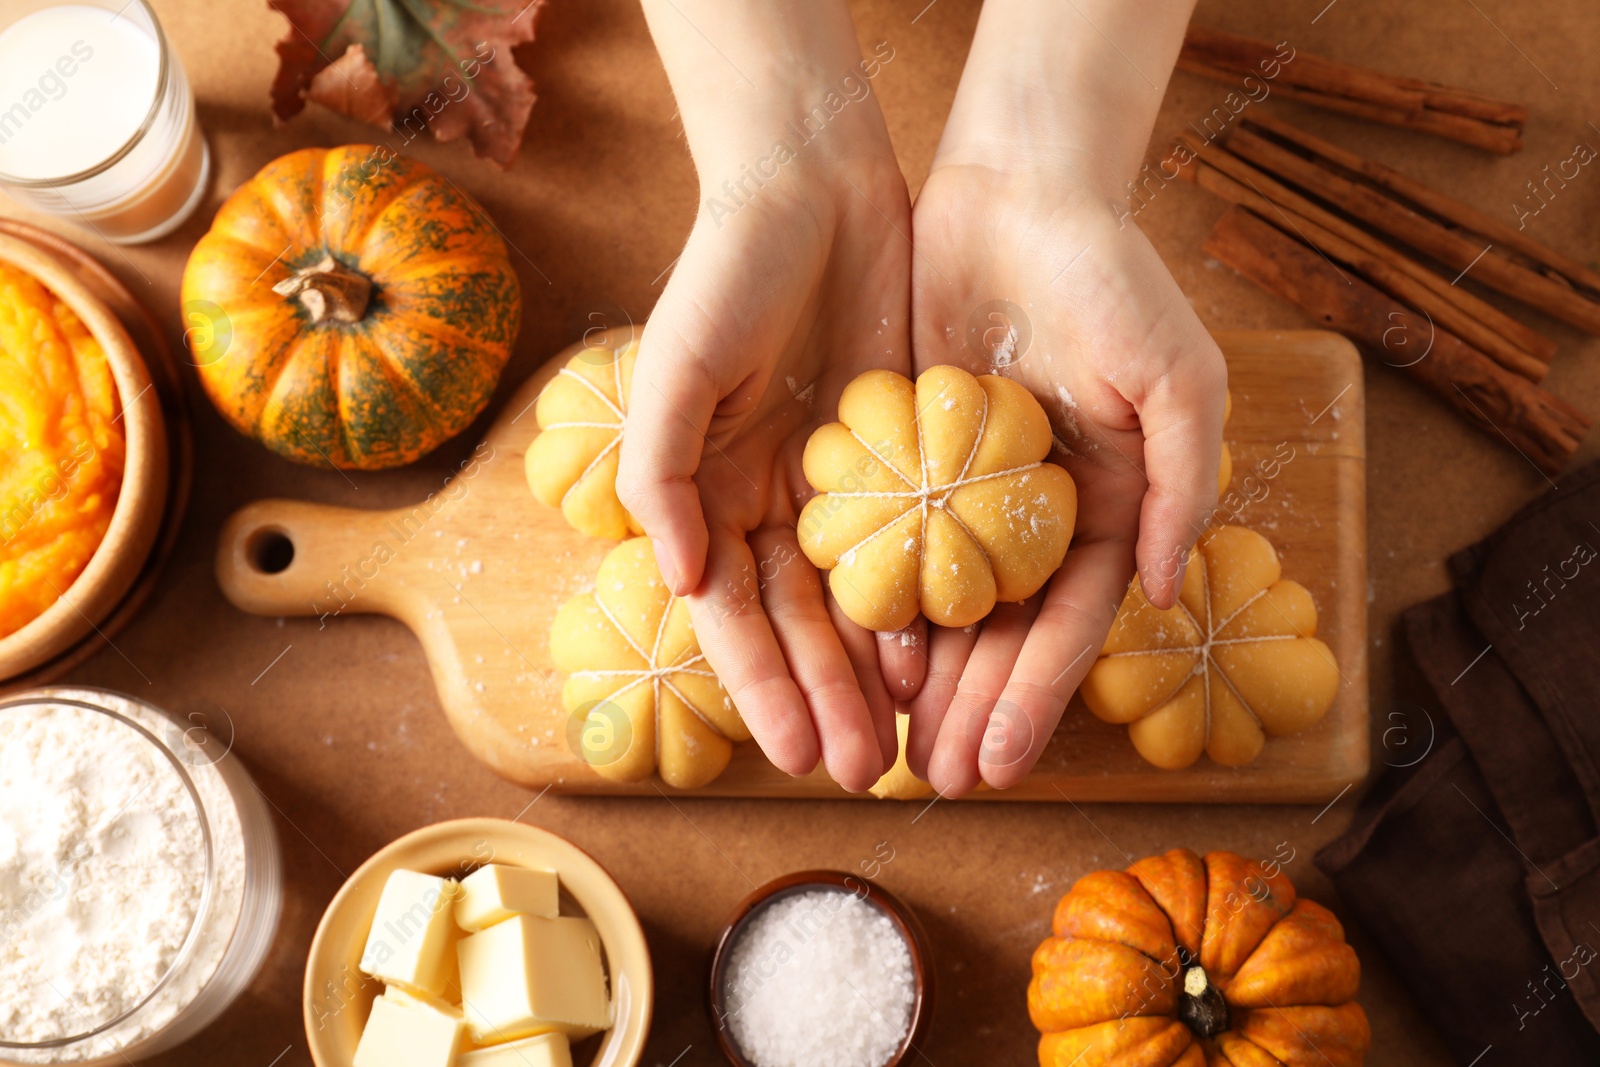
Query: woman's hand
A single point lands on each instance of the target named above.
(1027, 265)
(795, 278)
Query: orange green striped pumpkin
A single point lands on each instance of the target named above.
(350, 307)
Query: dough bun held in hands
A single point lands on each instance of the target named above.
(647, 698)
(935, 496)
(898, 783)
(1235, 661)
(1225, 461)
(572, 464)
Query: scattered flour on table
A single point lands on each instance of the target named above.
(819, 977)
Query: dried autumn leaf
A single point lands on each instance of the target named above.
(352, 86)
(443, 65)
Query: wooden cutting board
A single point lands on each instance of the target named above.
(478, 571)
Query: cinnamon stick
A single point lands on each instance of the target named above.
(1397, 100)
(1455, 247)
(1378, 271)
(1447, 209)
(1535, 422)
(1524, 337)
(1383, 266)
(1501, 140)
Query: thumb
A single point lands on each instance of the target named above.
(670, 405)
(1182, 422)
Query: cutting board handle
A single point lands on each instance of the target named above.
(289, 557)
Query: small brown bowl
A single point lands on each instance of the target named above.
(904, 919)
(141, 502)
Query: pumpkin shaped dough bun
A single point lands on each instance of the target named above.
(1225, 460)
(935, 496)
(572, 464)
(1235, 661)
(641, 695)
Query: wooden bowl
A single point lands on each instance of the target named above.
(137, 517)
(163, 366)
(337, 997)
(904, 919)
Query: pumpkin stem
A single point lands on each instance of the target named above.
(329, 290)
(1200, 1006)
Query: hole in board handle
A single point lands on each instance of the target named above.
(269, 550)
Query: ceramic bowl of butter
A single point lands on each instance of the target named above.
(83, 459)
(479, 943)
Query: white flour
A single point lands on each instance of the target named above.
(102, 876)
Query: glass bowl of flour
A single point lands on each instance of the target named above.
(140, 879)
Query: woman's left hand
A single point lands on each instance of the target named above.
(1026, 274)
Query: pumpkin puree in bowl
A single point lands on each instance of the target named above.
(61, 448)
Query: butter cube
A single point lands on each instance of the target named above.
(413, 937)
(407, 1031)
(410, 998)
(530, 974)
(496, 892)
(543, 1050)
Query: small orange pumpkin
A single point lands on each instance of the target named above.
(1184, 962)
(350, 307)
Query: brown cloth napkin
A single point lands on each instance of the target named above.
(1477, 867)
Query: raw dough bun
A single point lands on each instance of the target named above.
(935, 496)
(898, 783)
(636, 670)
(1233, 662)
(572, 464)
(1225, 466)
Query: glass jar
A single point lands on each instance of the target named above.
(234, 907)
(97, 120)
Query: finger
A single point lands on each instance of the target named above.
(738, 641)
(1182, 421)
(948, 651)
(791, 593)
(1061, 646)
(862, 646)
(903, 657)
(670, 406)
(953, 768)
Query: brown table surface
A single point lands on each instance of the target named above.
(340, 725)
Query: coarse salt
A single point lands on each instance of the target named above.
(820, 976)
